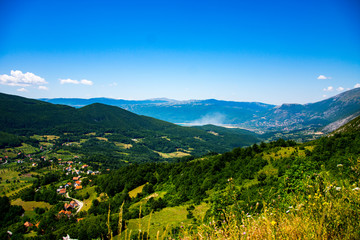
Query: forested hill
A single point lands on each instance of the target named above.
(273, 186)
(24, 116)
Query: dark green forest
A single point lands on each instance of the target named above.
(221, 180)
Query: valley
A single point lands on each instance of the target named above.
(100, 172)
(306, 119)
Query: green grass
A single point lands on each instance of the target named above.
(31, 234)
(166, 219)
(88, 202)
(176, 154)
(123, 145)
(135, 191)
(286, 152)
(26, 149)
(155, 195)
(30, 205)
(12, 188)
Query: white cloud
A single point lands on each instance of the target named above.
(323, 77)
(22, 90)
(43, 88)
(324, 96)
(84, 81)
(64, 81)
(329, 89)
(17, 78)
(357, 85)
(340, 89)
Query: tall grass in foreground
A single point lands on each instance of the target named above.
(324, 210)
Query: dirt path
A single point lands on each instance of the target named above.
(80, 203)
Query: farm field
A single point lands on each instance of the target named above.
(165, 220)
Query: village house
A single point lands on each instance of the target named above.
(71, 205)
(78, 187)
(76, 178)
(28, 224)
(61, 191)
(77, 183)
(74, 204)
(64, 213)
(67, 206)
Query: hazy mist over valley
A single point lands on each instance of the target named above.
(191, 120)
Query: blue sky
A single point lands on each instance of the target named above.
(267, 51)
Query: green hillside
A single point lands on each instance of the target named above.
(287, 190)
(112, 128)
(275, 190)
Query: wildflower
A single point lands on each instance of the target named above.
(244, 233)
(273, 223)
(356, 189)
(248, 216)
(339, 165)
(287, 211)
(338, 188)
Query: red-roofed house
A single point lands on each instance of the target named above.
(73, 204)
(64, 213)
(28, 224)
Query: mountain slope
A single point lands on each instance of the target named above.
(208, 111)
(316, 115)
(253, 115)
(146, 135)
(350, 127)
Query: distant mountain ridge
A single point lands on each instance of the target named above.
(344, 106)
(252, 115)
(23, 116)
